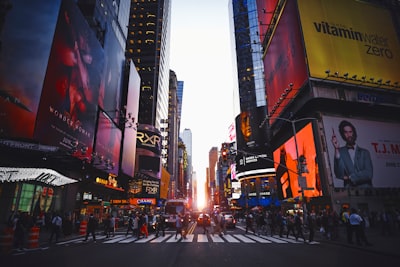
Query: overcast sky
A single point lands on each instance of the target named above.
(201, 57)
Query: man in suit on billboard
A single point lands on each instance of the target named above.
(352, 163)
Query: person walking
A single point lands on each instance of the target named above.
(130, 225)
(111, 229)
(185, 225)
(249, 223)
(311, 226)
(91, 228)
(178, 225)
(298, 225)
(56, 224)
(290, 225)
(205, 224)
(355, 222)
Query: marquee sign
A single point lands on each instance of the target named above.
(46, 176)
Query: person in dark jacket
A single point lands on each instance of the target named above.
(91, 228)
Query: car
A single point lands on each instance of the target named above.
(230, 221)
(201, 220)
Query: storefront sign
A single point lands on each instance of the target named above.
(142, 201)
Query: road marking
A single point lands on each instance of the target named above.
(201, 238)
(217, 239)
(231, 239)
(160, 238)
(244, 239)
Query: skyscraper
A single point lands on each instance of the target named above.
(148, 47)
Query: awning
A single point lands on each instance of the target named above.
(43, 175)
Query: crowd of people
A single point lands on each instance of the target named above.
(329, 224)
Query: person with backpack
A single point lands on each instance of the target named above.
(91, 228)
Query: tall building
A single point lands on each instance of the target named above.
(252, 139)
(211, 182)
(148, 47)
(186, 137)
(171, 139)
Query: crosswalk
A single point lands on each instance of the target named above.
(190, 238)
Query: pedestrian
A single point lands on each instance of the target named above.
(160, 225)
(222, 223)
(261, 224)
(19, 226)
(145, 222)
(280, 222)
(346, 221)
(205, 223)
(91, 228)
(185, 225)
(311, 226)
(290, 225)
(355, 222)
(249, 223)
(136, 221)
(106, 224)
(111, 229)
(130, 225)
(56, 224)
(178, 225)
(298, 224)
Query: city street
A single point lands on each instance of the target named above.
(235, 248)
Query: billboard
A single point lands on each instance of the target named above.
(26, 33)
(284, 61)
(374, 147)
(252, 144)
(148, 151)
(130, 131)
(68, 105)
(285, 161)
(107, 145)
(343, 36)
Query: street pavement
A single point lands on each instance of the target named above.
(381, 244)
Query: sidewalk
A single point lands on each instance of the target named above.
(382, 244)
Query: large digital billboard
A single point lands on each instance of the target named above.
(366, 154)
(284, 61)
(108, 145)
(26, 33)
(252, 144)
(68, 105)
(352, 37)
(285, 161)
(130, 131)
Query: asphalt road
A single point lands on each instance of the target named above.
(235, 249)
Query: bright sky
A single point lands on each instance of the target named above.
(201, 57)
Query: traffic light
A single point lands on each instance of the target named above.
(224, 154)
(303, 165)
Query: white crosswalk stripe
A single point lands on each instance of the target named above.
(190, 238)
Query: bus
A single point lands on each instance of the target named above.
(172, 208)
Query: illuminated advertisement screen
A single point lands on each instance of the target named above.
(284, 61)
(374, 147)
(148, 151)
(24, 53)
(108, 145)
(110, 91)
(68, 106)
(285, 157)
(132, 107)
(344, 36)
(252, 154)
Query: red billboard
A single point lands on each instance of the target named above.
(68, 105)
(284, 62)
(27, 30)
(286, 158)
